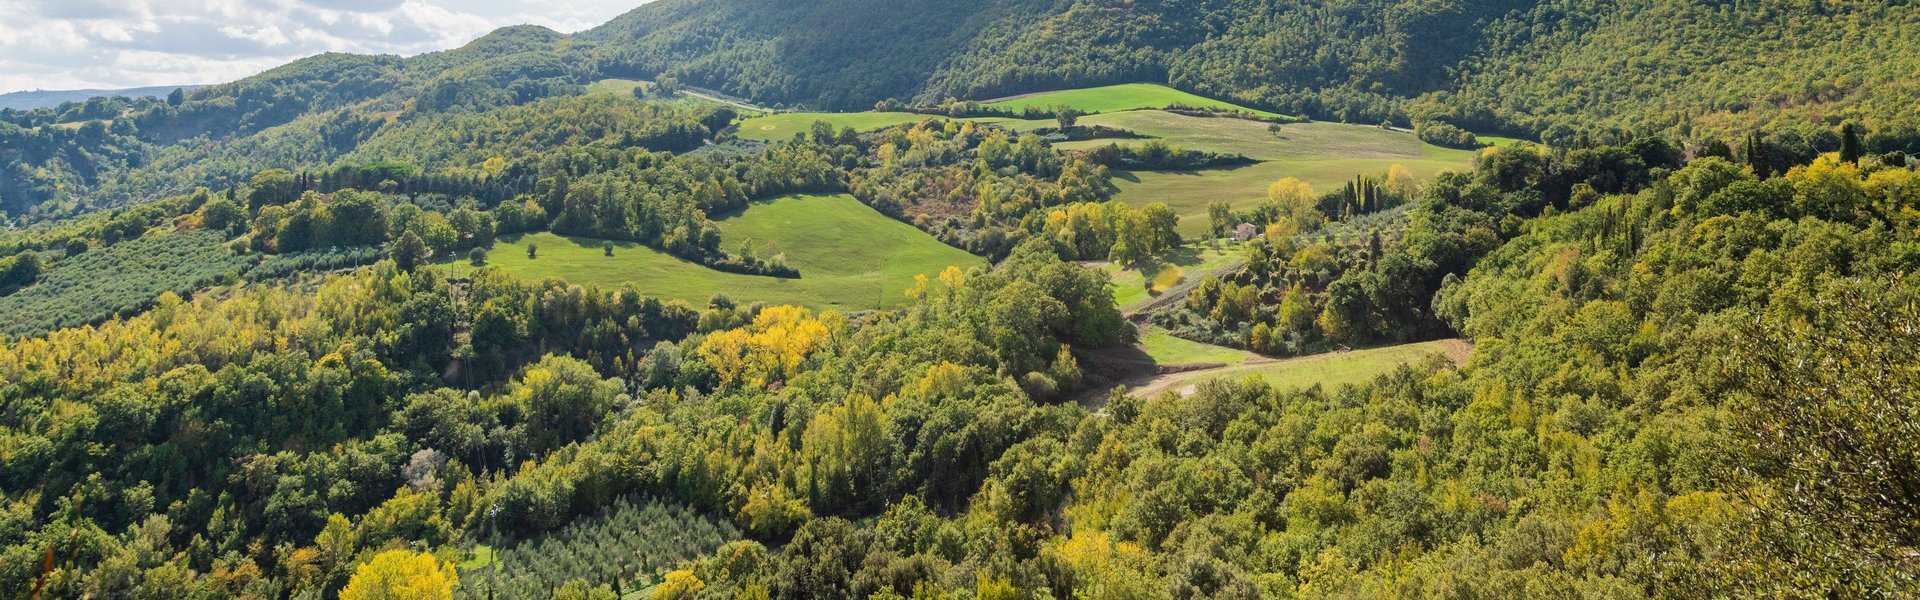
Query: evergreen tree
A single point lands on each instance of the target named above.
(1373, 251)
(1851, 148)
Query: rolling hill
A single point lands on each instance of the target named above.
(1568, 72)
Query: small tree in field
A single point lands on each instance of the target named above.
(477, 256)
(533, 251)
(607, 248)
(1067, 116)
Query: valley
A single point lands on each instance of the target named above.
(1009, 300)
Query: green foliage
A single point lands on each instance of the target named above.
(1112, 231)
(271, 187)
(21, 270)
(628, 546)
(408, 251)
(465, 140)
(1823, 406)
(1586, 450)
(301, 264)
(1445, 135)
(117, 280)
(1157, 155)
(930, 175)
(52, 169)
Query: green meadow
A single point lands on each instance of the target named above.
(1166, 349)
(1325, 155)
(850, 257)
(1123, 97)
(616, 86)
(1500, 142)
(1335, 369)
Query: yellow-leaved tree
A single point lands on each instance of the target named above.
(402, 575)
(1400, 181)
(1295, 204)
(773, 348)
(679, 585)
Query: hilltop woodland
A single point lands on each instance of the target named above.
(371, 425)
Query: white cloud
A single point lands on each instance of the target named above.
(70, 44)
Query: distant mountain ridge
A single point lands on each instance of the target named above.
(32, 99)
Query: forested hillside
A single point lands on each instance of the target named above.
(1566, 72)
(1528, 67)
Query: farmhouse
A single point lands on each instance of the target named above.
(1245, 231)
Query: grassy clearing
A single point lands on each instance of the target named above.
(1325, 155)
(850, 257)
(1192, 261)
(1114, 98)
(622, 87)
(1169, 350)
(1499, 142)
(481, 556)
(1343, 368)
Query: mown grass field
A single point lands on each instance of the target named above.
(1343, 368)
(849, 256)
(1114, 98)
(1169, 350)
(1325, 155)
(1499, 142)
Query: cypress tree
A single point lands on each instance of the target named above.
(1850, 147)
(1373, 251)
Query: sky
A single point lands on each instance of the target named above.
(106, 44)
